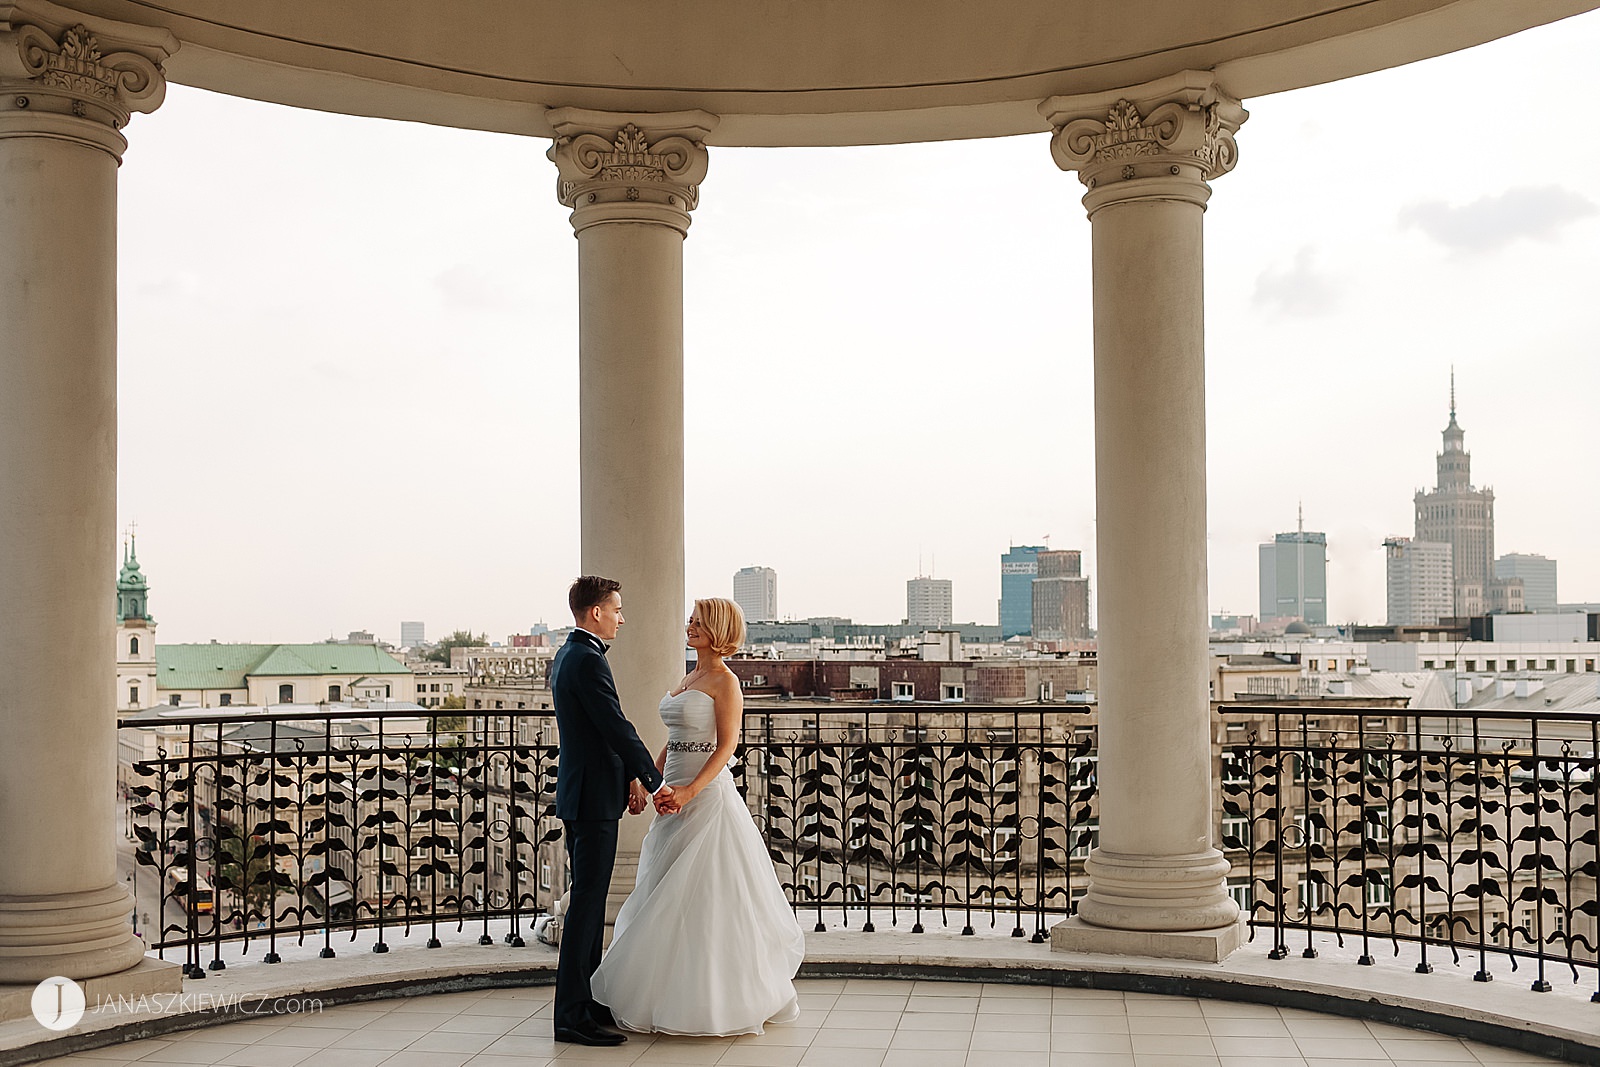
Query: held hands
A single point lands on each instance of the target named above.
(637, 798)
(670, 801)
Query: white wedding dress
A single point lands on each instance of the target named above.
(706, 944)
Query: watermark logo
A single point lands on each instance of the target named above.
(59, 1003)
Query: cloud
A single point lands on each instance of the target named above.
(1495, 221)
(1298, 290)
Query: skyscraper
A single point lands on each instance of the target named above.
(1538, 576)
(1060, 597)
(413, 635)
(1018, 568)
(929, 602)
(755, 590)
(1294, 577)
(1456, 514)
(1417, 575)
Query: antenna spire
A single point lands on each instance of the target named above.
(1452, 391)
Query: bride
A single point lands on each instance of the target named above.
(706, 944)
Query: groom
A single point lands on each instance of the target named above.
(602, 763)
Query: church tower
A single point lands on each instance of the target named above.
(136, 635)
(1456, 514)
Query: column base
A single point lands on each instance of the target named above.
(71, 935)
(148, 977)
(1204, 946)
(1158, 893)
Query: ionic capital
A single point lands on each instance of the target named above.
(630, 168)
(57, 66)
(1163, 140)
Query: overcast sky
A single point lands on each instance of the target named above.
(349, 352)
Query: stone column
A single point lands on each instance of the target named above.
(631, 182)
(66, 91)
(1156, 883)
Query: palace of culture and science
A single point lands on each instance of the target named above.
(1448, 568)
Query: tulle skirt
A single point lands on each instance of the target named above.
(706, 944)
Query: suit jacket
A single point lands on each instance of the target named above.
(600, 751)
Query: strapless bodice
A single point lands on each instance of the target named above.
(691, 720)
(690, 716)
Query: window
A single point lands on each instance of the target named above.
(1449, 664)
(1311, 767)
(434, 688)
(1472, 664)
(133, 645)
(903, 691)
(1375, 824)
(1549, 664)
(448, 687)
(1239, 890)
(173, 700)
(1235, 769)
(1003, 747)
(758, 680)
(952, 693)
(1002, 843)
(1572, 666)
(1377, 894)
(1313, 892)
(1085, 770)
(286, 694)
(1047, 692)
(1311, 830)
(1488, 664)
(133, 695)
(1427, 664)
(1085, 836)
(916, 843)
(225, 699)
(1236, 831)
(333, 694)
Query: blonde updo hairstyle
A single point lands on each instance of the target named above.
(722, 622)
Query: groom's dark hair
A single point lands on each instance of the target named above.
(588, 591)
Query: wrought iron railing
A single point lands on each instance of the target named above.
(265, 826)
(951, 813)
(1467, 833)
(301, 825)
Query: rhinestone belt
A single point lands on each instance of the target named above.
(691, 746)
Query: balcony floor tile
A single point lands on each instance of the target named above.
(856, 1022)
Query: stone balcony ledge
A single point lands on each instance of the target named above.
(1562, 1023)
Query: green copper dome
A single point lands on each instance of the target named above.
(132, 589)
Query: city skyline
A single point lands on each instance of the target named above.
(274, 361)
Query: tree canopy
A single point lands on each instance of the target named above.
(459, 639)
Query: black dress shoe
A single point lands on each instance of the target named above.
(589, 1035)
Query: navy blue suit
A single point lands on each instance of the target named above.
(600, 755)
